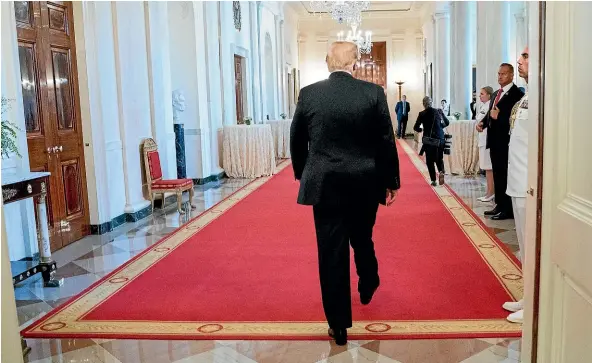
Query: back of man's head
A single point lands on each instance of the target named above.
(342, 56)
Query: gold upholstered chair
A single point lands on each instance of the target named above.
(156, 184)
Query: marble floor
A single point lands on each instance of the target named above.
(88, 260)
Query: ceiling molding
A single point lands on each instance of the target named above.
(378, 9)
(375, 7)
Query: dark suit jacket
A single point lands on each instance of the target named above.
(498, 135)
(342, 142)
(431, 128)
(399, 110)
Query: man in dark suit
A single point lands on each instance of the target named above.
(498, 138)
(344, 154)
(402, 109)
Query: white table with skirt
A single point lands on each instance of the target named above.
(280, 129)
(248, 151)
(464, 153)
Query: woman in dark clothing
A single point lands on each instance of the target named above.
(433, 122)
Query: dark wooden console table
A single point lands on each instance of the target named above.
(32, 185)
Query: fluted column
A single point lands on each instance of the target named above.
(133, 95)
(442, 57)
(159, 69)
(521, 40)
(492, 39)
(256, 62)
(460, 59)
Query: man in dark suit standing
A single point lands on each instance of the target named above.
(344, 154)
(402, 109)
(498, 138)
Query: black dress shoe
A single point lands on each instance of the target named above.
(492, 212)
(501, 216)
(366, 295)
(340, 336)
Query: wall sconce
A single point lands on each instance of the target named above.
(400, 83)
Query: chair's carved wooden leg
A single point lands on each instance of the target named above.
(180, 202)
(191, 192)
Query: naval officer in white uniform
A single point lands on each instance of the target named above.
(518, 174)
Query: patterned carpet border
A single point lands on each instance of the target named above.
(66, 321)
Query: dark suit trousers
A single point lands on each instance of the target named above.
(499, 164)
(434, 155)
(402, 125)
(337, 228)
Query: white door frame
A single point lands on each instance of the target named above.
(532, 261)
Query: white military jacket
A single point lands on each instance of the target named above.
(518, 154)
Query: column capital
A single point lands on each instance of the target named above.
(520, 15)
(397, 37)
(441, 15)
(322, 38)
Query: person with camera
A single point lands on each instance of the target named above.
(434, 140)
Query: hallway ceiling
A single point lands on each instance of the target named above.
(377, 8)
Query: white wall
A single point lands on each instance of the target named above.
(20, 217)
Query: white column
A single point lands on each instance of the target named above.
(227, 62)
(260, 56)
(442, 64)
(492, 38)
(278, 92)
(215, 95)
(133, 95)
(97, 76)
(521, 41)
(204, 165)
(159, 69)
(460, 60)
(11, 340)
(255, 62)
(282, 68)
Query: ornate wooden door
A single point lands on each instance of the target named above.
(47, 56)
(372, 67)
(238, 88)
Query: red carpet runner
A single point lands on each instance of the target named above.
(247, 269)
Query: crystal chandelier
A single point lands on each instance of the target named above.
(364, 43)
(349, 12)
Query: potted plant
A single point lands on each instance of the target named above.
(248, 120)
(283, 116)
(9, 132)
(457, 115)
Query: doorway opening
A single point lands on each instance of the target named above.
(239, 88)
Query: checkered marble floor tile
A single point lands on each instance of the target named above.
(86, 261)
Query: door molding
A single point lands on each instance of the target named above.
(540, 167)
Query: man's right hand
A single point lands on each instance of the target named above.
(479, 126)
(391, 195)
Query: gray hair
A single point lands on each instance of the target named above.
(427, 102)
